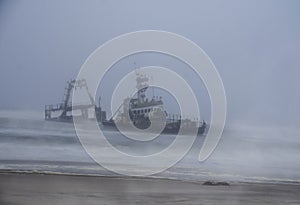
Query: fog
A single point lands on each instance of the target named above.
(254, 45)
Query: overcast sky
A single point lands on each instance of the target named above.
(255, 46)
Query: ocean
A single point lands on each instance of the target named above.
(245, 153)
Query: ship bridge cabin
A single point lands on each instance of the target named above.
(144, 108)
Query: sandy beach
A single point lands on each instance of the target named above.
(37, 189)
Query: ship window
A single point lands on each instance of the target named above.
(148, 110)
(138, 112)
(142, 111)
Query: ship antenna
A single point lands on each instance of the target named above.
(152, 86)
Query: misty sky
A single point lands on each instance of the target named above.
(255, 46)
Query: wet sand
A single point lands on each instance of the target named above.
(38, 189)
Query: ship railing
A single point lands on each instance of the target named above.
(55, 107)
(178, 118)
(60, 106)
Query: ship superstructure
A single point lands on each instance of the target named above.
(142, 111)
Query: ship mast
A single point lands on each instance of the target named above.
(142, 86)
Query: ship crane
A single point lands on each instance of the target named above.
(66, 105)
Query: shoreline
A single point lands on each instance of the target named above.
(40, 188)
(116, 176)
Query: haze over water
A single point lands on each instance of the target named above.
(254, 45)
(245, 153)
